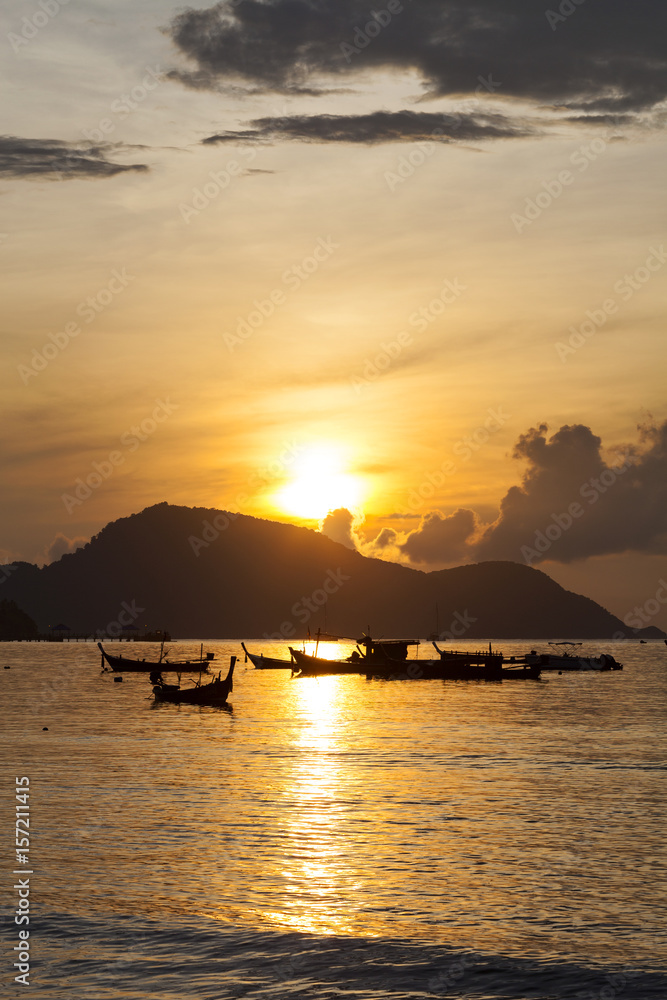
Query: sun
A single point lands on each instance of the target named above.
(319, 484)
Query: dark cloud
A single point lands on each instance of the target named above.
(572, 504)
(441, 539)
(600, 58)
(380, 126)
(608, 121)
(57, 160)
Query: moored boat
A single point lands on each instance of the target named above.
(459, 665)
(261, 662)
(451, 665)
(369, 654)
(214, 694)
(307, 665)
(125, 663)
(569, 660)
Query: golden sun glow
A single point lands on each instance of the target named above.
(319, 484)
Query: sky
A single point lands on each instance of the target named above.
(395, 272)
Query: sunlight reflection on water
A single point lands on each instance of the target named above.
(524, 817)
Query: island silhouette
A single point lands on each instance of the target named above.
(206, 573)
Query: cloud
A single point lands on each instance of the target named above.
(57, 160)
(599, 58)
(338, 525)
(380, 126)
(387, 539)
(572, 504)
(62, 545)
(440, 538)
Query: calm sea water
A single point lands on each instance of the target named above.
(337, 837)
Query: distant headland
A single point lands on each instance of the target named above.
(205, 573)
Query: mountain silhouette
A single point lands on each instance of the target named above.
(14, 623)
(204, 573)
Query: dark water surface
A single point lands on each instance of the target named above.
(337, 837)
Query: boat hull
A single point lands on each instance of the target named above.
(547, 661)
(459, 666)
(455, 669)
(261, 662)
(314, 666)
(214, 694)
(122, 664)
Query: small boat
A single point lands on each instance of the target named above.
(568, 659)
(261, 662)
(307, 665)
(125, 663)
(214, 694)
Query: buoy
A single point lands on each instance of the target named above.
(118, 680)
(45, 729)
(7, 667)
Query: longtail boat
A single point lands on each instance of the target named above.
(214, 694)
(261, 662)
(125, 663)
(369, 654)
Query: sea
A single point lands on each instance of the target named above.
(332, 838)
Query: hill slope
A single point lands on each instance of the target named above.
(202, 573)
